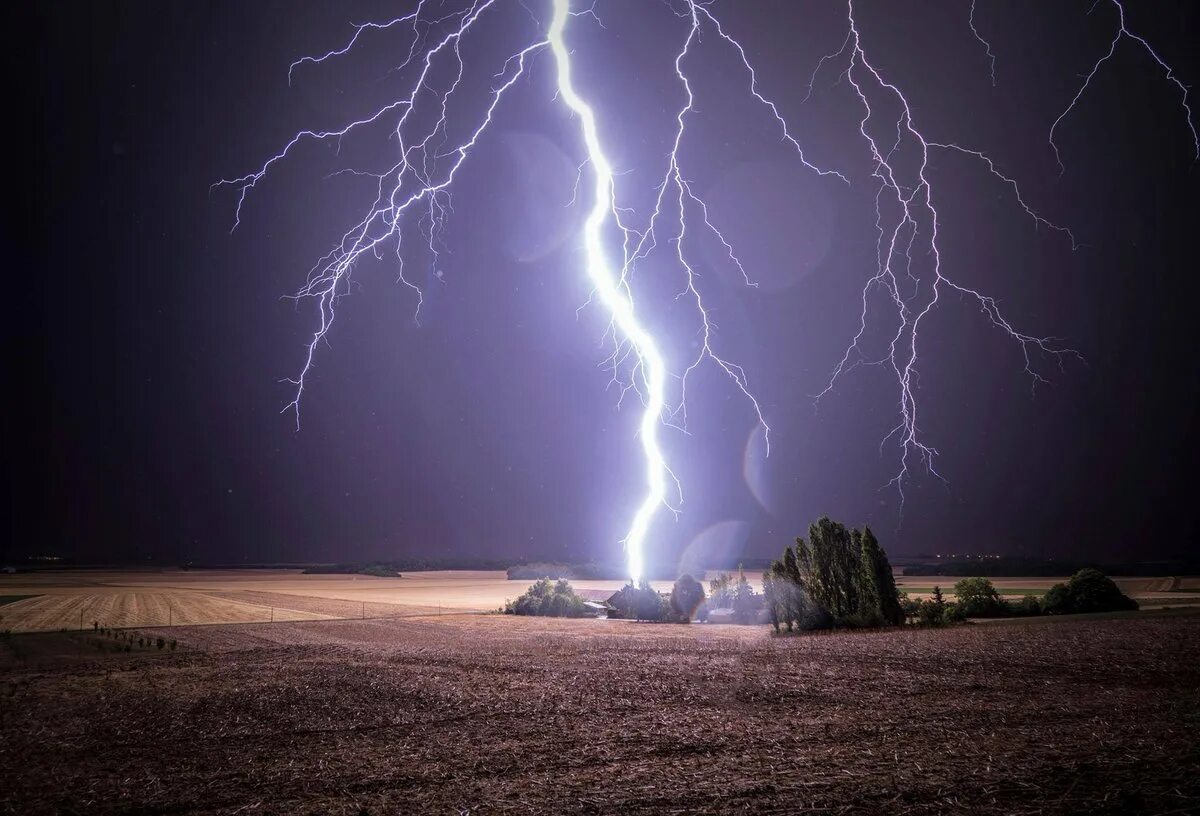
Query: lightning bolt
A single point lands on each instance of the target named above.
(412, 195)
(617, 298)
(905, 214)
(987, 46)
(416, 186)
(1123, 33)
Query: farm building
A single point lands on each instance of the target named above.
(597, 600)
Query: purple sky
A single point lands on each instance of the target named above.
(150, 342)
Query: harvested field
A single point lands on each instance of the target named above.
(249, 595)
(493, 714)
(76, 611)
(326, 607)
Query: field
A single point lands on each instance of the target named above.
(494, 714)
(74, 599)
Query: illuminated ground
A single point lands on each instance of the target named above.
(501, 715)
(151, 598)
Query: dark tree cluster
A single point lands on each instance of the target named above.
(838, 577)
(1088, 590)
(639, 602)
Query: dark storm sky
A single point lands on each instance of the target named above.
(147, 342)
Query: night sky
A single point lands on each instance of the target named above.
(148, 343)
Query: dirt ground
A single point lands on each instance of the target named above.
(493, 714)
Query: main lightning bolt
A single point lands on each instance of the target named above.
(417, 186)
(431, 147)
(617, 298)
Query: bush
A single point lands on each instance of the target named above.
(1088, 590)
(544, 598)
(933, 611)
(1028, 606)
(686, 597)
(978, 598)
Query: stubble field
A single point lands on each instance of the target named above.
(492, 714)
(74, 599)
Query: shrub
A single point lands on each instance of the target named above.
(1088, 590)
(546, 598)
(1028, 606)
(932, 611)
(978, 598)
(686, 597)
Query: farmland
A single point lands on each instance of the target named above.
(74, 599)
(495, 714)
(50, 601)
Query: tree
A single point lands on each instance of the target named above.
(720, 591)
(878, 596)
(932, 612)
(843, 573)
(772, 583)
(746, 602)
(1057, 601)
(686, 597)
(1088, 590)
(829, 565)
(978, 598)
(640, 602)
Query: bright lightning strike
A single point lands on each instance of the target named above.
(412, 195)
(617, 299)
(416, 188)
